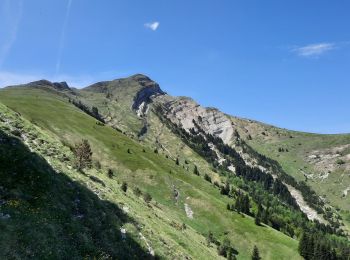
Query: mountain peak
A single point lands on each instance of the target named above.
(145, 81)
(45, 83)
(140, 77)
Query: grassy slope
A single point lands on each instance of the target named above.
(151, 172)
(115, 103)
(295, 162)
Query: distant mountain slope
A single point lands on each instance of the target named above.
(196, 164)
(322, 161)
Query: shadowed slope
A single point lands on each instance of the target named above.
(47, 215)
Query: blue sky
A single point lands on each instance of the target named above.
(286, 63)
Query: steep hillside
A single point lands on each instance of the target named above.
(166, 223)
(196, 187)
(321, 161)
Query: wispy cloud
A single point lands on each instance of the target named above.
(63, 37)
(11, 15)
(153, 26)
(314, 50)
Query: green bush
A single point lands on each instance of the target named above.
(147, 197)
(110, 173)
(137, 191)
(124, 186)
(340, 161)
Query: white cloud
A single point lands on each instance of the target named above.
(63, 37)
(153, 26)
(314, 50)
(10, 17)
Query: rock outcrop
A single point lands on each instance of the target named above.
(60, 86)
(149, 89)
(185, 111)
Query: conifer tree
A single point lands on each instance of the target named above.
(259, 215)
(256, 254)
(83, 155)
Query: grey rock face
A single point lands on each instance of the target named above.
(183, 111)
(143, 97)
(61, 85)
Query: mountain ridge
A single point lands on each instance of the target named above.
(155, 140)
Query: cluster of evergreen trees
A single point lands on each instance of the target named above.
(242, 203)
(93, 112)
(309, 195)
(242, 169)
(315, 247)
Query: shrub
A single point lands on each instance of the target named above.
(97, 164)
(207, 178)
(124, 186)
(110, 173)
(195, 170)
(340, 161)
(137, 191)
(147, 197)
(16, 132)
(210, 238)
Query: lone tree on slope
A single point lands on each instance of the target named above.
(255, 254)
(83, 155)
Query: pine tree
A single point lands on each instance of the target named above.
(255, 254)
(83, 155)
(177, 161)
(306, 246)
(245, 205)
(259, 215)
(238, 204)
